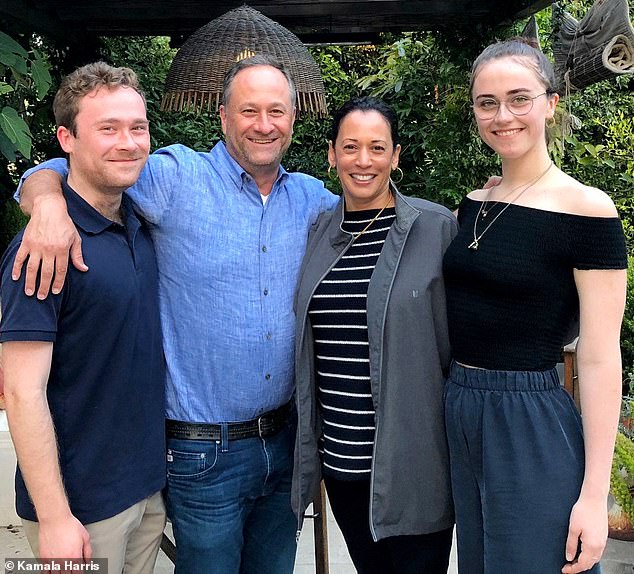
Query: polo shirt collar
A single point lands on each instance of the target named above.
(86, 216)
(236, 172)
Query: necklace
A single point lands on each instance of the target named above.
(485, 207)
(476, 238)
(373, 219)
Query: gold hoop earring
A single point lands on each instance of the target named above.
(551, 122)
(330, 173)
(400, 178)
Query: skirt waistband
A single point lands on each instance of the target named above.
(504, 380)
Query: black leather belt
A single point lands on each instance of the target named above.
(265, 425)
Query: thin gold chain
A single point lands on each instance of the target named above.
(476, 238)
(389, 199)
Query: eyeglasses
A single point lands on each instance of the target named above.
(519, 105)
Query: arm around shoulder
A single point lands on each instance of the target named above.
(43, 180)
(50, 236)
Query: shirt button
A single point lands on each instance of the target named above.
(269, 336)
(264, 248)
(267, 376)
(266, 291)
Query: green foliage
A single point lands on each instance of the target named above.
(25, 83)
(425, 78)
(11, 220)
(600, 152)
(626, 422)
(24, 76)
(341, 67)
(622, 475)
(17, 136)
(627, 329)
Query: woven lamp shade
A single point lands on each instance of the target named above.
(194, 81)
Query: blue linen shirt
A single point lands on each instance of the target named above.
(228, 266)
(107, 379)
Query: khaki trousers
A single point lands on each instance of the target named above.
(129, 540)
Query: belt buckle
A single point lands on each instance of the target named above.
(260, 426)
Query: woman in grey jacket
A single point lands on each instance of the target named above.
(371, 357)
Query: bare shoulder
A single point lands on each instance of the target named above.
(579, 199)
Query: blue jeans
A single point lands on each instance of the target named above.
(230, 504)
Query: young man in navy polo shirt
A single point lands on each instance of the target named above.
(84, 370)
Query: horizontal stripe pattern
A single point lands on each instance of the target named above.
(338, 316)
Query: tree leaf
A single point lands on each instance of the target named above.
(7, 149)
(19, 69)
(16, 130)
(8, 59)
(41, 77)
(5, 88)
(9, 46)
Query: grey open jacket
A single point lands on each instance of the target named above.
(409, 357)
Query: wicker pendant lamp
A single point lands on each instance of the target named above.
(194, 81)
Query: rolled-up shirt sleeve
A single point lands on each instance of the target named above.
(58, 164)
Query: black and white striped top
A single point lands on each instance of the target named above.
(338, 315)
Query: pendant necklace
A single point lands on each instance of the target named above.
(476, 238)
(389, 199)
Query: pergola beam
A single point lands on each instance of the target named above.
(311, 20)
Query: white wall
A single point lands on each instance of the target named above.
(7, 474)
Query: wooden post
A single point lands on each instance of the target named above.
(571, 380)
(320, 528)
(168, 547)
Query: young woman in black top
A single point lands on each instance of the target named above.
(536, 255)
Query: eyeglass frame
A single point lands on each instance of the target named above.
(505, 102)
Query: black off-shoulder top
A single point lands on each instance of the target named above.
(512, 303)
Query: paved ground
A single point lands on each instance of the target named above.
(14, 545)
(618, 558)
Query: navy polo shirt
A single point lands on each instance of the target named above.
(107, 378)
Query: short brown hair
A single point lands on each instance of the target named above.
(85, 80)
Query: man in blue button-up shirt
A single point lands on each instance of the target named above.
(230, 228)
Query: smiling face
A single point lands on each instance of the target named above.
(258, 119)
(512, 136)
(364, 156)
(111, 142)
